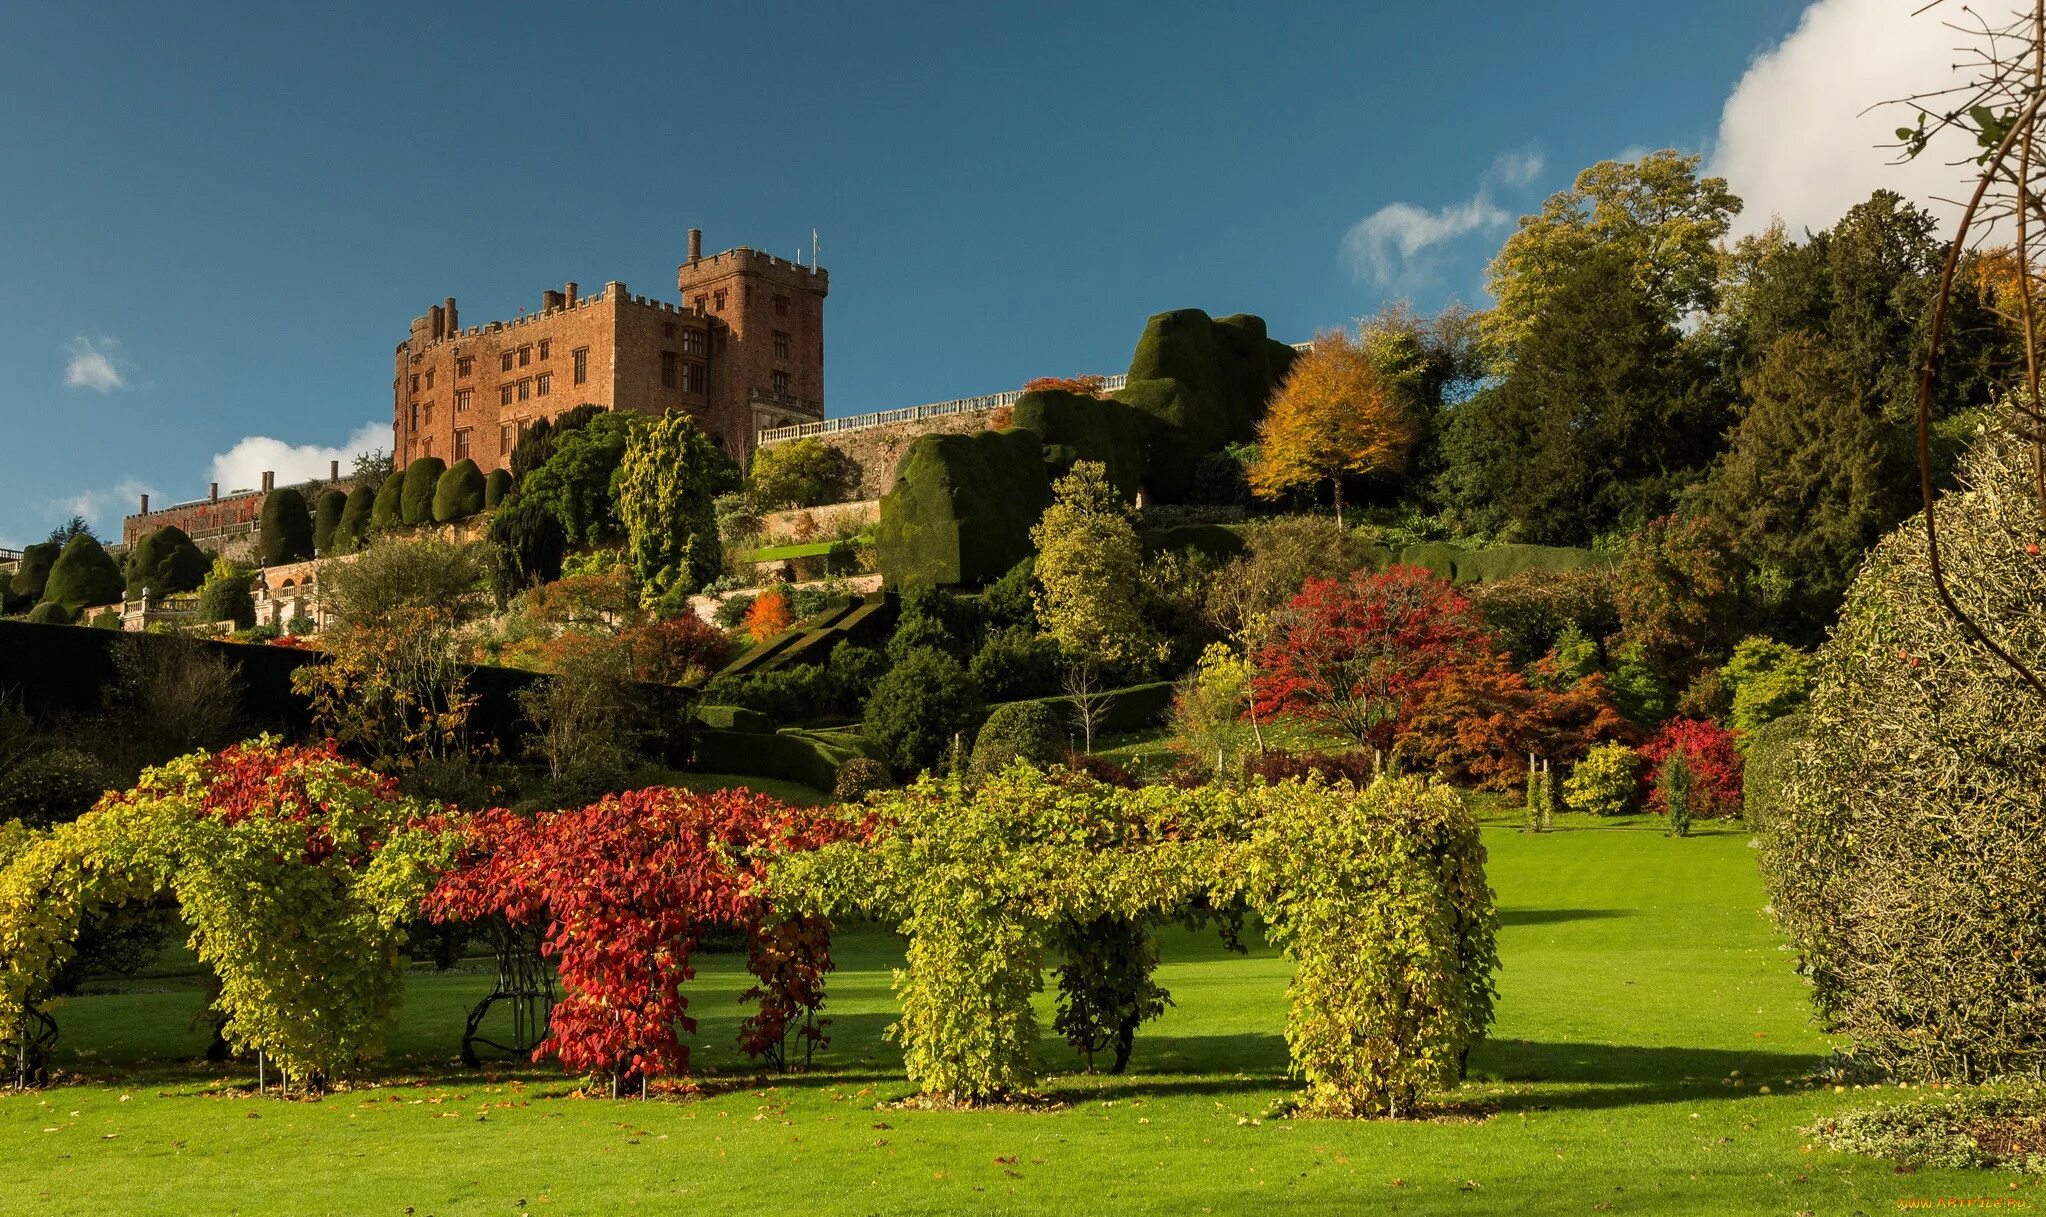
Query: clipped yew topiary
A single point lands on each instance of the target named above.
(33, 571)
(49, 612)
(284, 533)
(83, 575)
(1077, 427)
(495, 487)
(388, 508)
(1904, 850)
(458, 494)
(1038, 733)
(1201, 383)
(422, 481)
(165, 562)
(915, 711)
(327, 512)
(356, 519)
(962, 508)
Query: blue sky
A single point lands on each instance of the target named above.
(216, 220)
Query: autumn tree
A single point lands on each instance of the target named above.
(1359, 653)
(1332, 417)
(1088, 562)
(770, 613)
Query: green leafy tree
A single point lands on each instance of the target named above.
(459, 492)
(422, 479)
(575, 481)
(802, 473)
(83, 575)
(1768, 680)
(1684, 594)
(166, 562)
(916, 710)
(1032, 732)
(537, 440)
(1655, 216)
(284, 532)
(225, 596)
(667, 481)
(1088, 563)
(327, 512)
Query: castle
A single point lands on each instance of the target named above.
(742, 350)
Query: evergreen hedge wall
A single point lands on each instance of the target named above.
(962, 508)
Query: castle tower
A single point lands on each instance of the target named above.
(767, 338)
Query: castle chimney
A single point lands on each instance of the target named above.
(269, 480)
(213, 493)
(145, 504)
(333, 471)
(437, 326)
(551, 300)
(570, 292)
(448, 308)
(695, 246)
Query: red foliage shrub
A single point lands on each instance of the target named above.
(606, 599)
(1101, 769)
(1354, 766)
(675, 651)
(1086, 386)
(271, 782)
(1479, 722)
(1361, 652)
(624, 888)
(1714, 761)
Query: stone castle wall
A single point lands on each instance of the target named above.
(878, 449)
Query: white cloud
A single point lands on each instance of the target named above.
(1798, 139)
(96, 364)
(102, 508)
(1386, 247)
(242, 466)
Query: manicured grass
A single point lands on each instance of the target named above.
(1644, 1005)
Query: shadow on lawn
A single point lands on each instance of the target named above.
(1552, 916)
(1623, 1075)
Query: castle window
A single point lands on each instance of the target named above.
(692, 378)
(462, 444)
(415, 416)
(781, 344)
(542, 384)
(692, 342)
(507, 438)
(415, 382)
(504, 393)
(582, 364)
(667, 369)
(667, 329)
(504, 362)
(429, 378)
(464, 398)
(525, 356)
(429, 414)
(781, 306)
(717, 300)
(465, 365)
(781, 384)
(702, 302)
(544, 344)
(525, 388)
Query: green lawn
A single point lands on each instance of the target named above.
(1644, 1007)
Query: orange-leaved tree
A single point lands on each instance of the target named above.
(1332, 417)
(771, 613)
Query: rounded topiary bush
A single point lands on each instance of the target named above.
(285, 531)
(32, 571)
(49, 612)
(355, 519)
(387, 510)
(225, 596)
(459, 492)
(915, 711)
(327, 512)
(1904, 852)
(1605, 781)
(52, 786)
(496, 487)
(83, 575)
(1035, 732)
(422, 481)
(860, 777)
(166, 561)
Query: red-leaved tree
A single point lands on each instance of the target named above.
(1358, 653)
(1481, 719)
(1714, 761)
(624, 888)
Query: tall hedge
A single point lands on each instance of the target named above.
(1077, 427)
(33, 571)
(962, 507)
(166, 561)
(458, 494)
(327, 512)
(1904, 851)
(356, 518)
(496, 486)
(284, 532)
(1200, 383)
(83, 575)
(422, 480)
(387, 510)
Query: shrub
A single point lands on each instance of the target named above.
(732, 610)
(106, 619)
(1356, 766)
(1531, 613)
(802, 473)
(327, 512)
(1673, 793)
(1008, 600)
(458, 492)
(1605, 781)
(356, 518)
(52, 787)
(918, 707)
(32, 572)
(1959, 1132)
(1015, 663)
(284, 532)
(166, 562)
(388, 509)
(225, 595)
(1766, 760)
(1037, 733)
(528, 545)
(49, 612)
(850, 672)
(426, 574)
(1903, 863)
(83, 575)
(961, 508)
(1712, 764)
(786, 695)
(496, 487)
(771, 613)
(1768, 680)
(422, 481)
(858, 778)
(575, 481)
(934, 619)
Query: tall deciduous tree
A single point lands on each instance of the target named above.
(1332, 417)
(667, 478)
(1088, 562)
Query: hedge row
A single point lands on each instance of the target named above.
(1135, 707)
(797, 756)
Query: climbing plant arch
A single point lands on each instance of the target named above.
(1379, 895)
